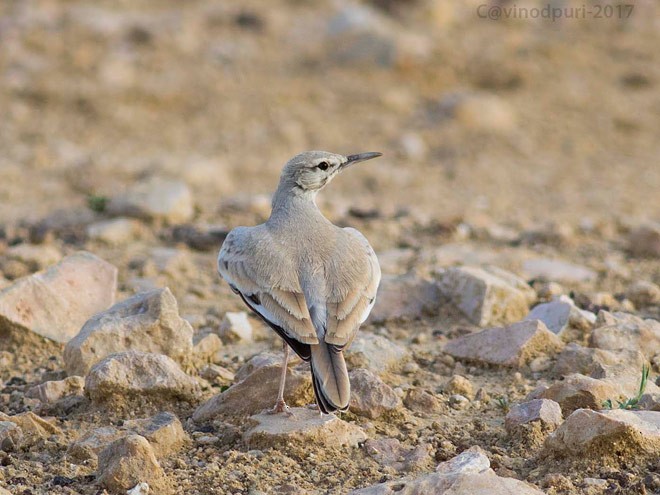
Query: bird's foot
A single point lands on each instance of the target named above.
(281, 407)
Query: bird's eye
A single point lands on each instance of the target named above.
(323, 166)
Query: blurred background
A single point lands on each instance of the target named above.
(517, 120)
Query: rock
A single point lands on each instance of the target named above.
(89, 445)
(359, 36)
(155, 199)
(136, 375)
(11, 436)
(129, 461)
(404, 296)
(389, 452)
(257, 392)
(217, 374)
(471, 461)
(375, 353)
(577, 391)
(35, 428)
(163, 431)
(34, 256)
(628, 333)
(139, 489)
(205, 347)
(602, 434)
(557, 270)
(147, 322)
(458, 401)
(52, 391)
(643, 293)
(309, 427)
(236, 327)
(420, 401)
(481, 112)
(589, 361)
(644, 241)
(543, 411)
(55, 303)
(467, 474)
(168, 261)
(395, 261)
(458, 384)
(4, 492)
(114, 232)
(264, 359)
(370, 396)
(563, 318)
(512, 346)
(486, 297)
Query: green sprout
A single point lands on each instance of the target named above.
(97, 203)
(503, 403)
(632, 402)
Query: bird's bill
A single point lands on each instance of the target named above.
(360, 157)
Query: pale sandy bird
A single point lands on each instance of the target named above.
(312, 282)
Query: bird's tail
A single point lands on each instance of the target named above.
(330, 378)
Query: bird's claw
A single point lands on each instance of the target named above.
(281, 407)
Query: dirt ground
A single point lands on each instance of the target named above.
(510, 138)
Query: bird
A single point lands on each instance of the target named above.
(310, 281)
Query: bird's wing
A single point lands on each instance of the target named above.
(353, 279)
(259, 271)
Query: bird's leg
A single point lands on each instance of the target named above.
(280, 405)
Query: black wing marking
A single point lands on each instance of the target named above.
(299, 348)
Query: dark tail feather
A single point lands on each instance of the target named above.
(330, 378)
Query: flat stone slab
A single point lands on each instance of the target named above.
(305, 426)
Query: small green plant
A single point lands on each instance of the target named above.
(97, 203)
(503, 403)
(632, 402)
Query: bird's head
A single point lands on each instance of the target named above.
(310, 171)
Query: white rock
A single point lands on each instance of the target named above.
(55, 303)
(486, 297)
(147, 322)
(139, 489)
(155, 198)
(236, 327)
(309, 427)
(390, 452)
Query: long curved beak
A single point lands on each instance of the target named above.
(360, 157)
